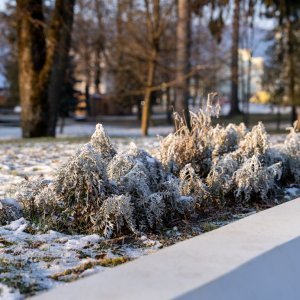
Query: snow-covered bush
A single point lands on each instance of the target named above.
(254, 142)
(100, 190)
(71, 201)
(116, 213)
(292, 150)
(10, 210)
(189, 146)
(221, 165)
(220, 178)
(200, 145)
(101, 142)
(253, 179)
(276, 154)
(192, 184)
(226, 139)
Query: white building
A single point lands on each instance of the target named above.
(248, 65)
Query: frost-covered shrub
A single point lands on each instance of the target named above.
(189, 146)
(191, 184)
(83, 178)
(253, 179)
(100, 190)
(292, 150)
(10, 210)
(219, 164)
(254, 142)
(200, 145)
(220, 179)
(119, 166)
(72, 200)
(275, 155)
(36, 198)
(226, 139)
(101, 142)
(116, 213)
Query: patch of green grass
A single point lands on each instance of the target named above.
(45, 259)
(5, 242)
(209, 226)
(82, 254)
(33, 244)
(104, 262)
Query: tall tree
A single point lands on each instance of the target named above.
(153, 28)
(235, 60)
(42, 57)
(291, 84)
(182, 58)
(99, 43)
(8, 52)
(60, 63)
(287, 12)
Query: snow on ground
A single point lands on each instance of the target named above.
(292, 192)
(34, 262)
(9, 293)
(28, 259)
(84, 130)
(255, 108)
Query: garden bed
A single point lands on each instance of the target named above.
(35, 256)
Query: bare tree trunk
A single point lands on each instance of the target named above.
(119, 71)
(87, 96)
(168, 106)
(291, 71)
(235, 60)
(97, 72)
(37, 54)
(33, 91)
(249, 79)
(293, 114)
(99, 44)
(182, 57)
(153, 28)
(297, 124)
(249, 71)
(278, 120)
(59, 65)
(242, 84)
(62, 124)
(147, 98)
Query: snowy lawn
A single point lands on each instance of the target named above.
(31, 261)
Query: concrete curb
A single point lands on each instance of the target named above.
(254, 258)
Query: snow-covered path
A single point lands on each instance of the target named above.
(84, 130)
